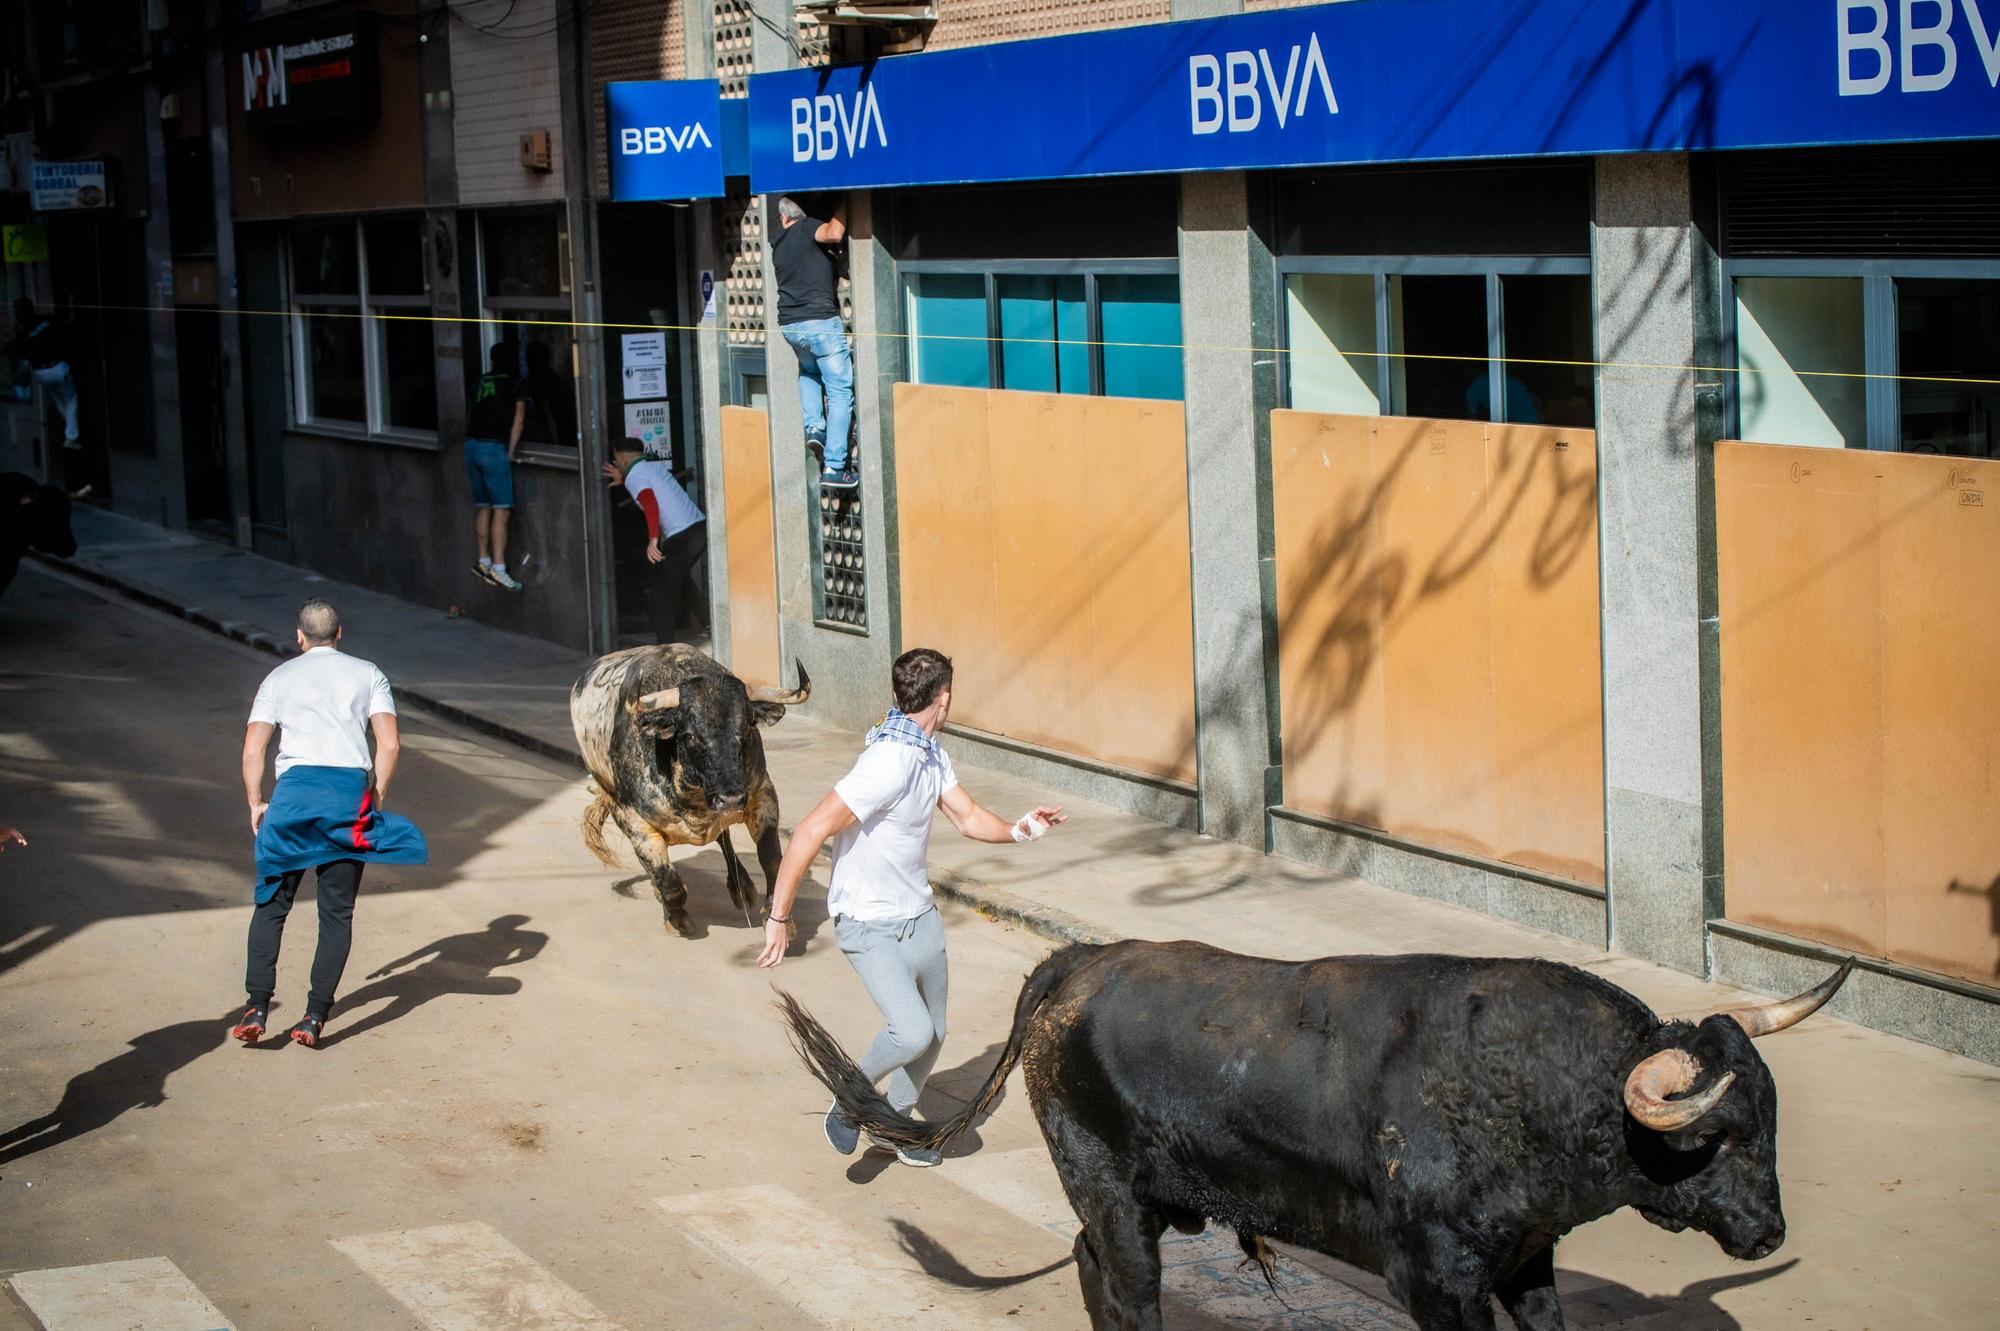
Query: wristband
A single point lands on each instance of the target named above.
(777, 919)
(1028, 828)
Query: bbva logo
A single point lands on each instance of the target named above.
(652, 140)
(835, 124)
(1234, 89)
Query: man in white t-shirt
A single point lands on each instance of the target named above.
(878, 817)
(325, 813)
(676, 531)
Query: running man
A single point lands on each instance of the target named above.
(325, 813)
(878, 817)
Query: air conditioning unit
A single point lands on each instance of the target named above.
(861, 28)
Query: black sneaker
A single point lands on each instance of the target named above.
(306, 1032)
(816, 445)
(250, 1028)
(842, 1134)
(844, 479)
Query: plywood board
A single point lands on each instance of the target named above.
(751, 546)
(1438, 633)
(1861, 700)
(1044, 546)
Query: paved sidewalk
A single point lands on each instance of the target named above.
(1892, 1183)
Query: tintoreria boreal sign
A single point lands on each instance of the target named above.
(1389, 81)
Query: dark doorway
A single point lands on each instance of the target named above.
(197, 344)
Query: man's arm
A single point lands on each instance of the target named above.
(256, 743)
(833, 231)
(975, 822)
(520, 423)
(388, 747)
(829, 818)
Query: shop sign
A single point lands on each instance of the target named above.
(56, 187)
(25, 244)
(664, 139)
(1387, 81)
(323, 75)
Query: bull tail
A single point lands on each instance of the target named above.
(593, 827)
(865, 1105)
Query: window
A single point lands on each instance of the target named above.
(1882, 354)
(1450, 338)
(1022, 325)
(525, 308)
(362, 347)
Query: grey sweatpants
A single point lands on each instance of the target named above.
(903, 966)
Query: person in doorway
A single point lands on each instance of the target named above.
(39, 343)
(676, 531)
(809, 317)
(554, 400)
(878, 817)
(325, 813)
(496, 410)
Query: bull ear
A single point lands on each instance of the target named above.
(767, 713)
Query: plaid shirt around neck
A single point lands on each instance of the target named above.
(897, 728)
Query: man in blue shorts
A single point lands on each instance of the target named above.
(496, 409)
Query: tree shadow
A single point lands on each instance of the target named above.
(939, 1263)
(135, 1079)
(457, 964)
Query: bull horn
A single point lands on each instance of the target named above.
(786, 697)
(1667, 1073)
(1770, 1018)
(657, 702)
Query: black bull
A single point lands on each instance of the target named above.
(1439, 1120)
(670, 740)
(32, 516)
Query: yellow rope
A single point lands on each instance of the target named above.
(1203, 347)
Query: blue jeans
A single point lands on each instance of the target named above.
(826, 383)
(492, 475)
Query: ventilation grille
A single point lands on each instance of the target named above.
(1934, 200)
(743, 259)
(976, 22)
(630, 40)
(843, 584)
(733, 28)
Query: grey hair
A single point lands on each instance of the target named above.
(789, 210)
(319, 622)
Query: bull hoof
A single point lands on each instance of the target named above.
(738, 897)
(678, 921)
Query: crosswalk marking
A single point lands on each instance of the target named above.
(468, 1277)
(859, 1286)
(149, 1294)
(1205, 1271)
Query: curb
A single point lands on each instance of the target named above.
(1058, 926)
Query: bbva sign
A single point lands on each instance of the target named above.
(652, 140)
(1232, 91)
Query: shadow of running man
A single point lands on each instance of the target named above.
(135, 1079)
(458, 964)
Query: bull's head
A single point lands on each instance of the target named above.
(46, 515)
(702, 730)
(1703, 1126)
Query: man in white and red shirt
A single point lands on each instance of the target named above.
(676, 532)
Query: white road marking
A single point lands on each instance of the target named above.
(468, 1277)
(149, 1294)
(832, 1274)
(1203, 1271)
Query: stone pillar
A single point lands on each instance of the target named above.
(1656, 284)
(169, 472)
(1228, 320)
(229, 332)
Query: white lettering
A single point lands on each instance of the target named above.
(628, 141)
(826, 127)
(1989, 46)
(695, 131)
(1205, 92)
(656, 140)
(1315, 60)
(1873, 42)
(1281, 102)
(1937, 34)
(802, 137)
(1243, 90)
(875, 114)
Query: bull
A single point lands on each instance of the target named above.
(670, 740)
(1439, 1120)
(32, 517)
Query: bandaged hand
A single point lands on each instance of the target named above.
(1034, 823)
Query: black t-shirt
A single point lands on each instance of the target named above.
(490, 404)
(805, 274)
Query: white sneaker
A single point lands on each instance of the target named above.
(504, 578)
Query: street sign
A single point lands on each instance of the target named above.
(1387, 81)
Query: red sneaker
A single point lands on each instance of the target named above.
(251, 1028)
(307, 1031)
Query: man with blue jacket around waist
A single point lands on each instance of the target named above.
(325, 813)
(878, 818)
